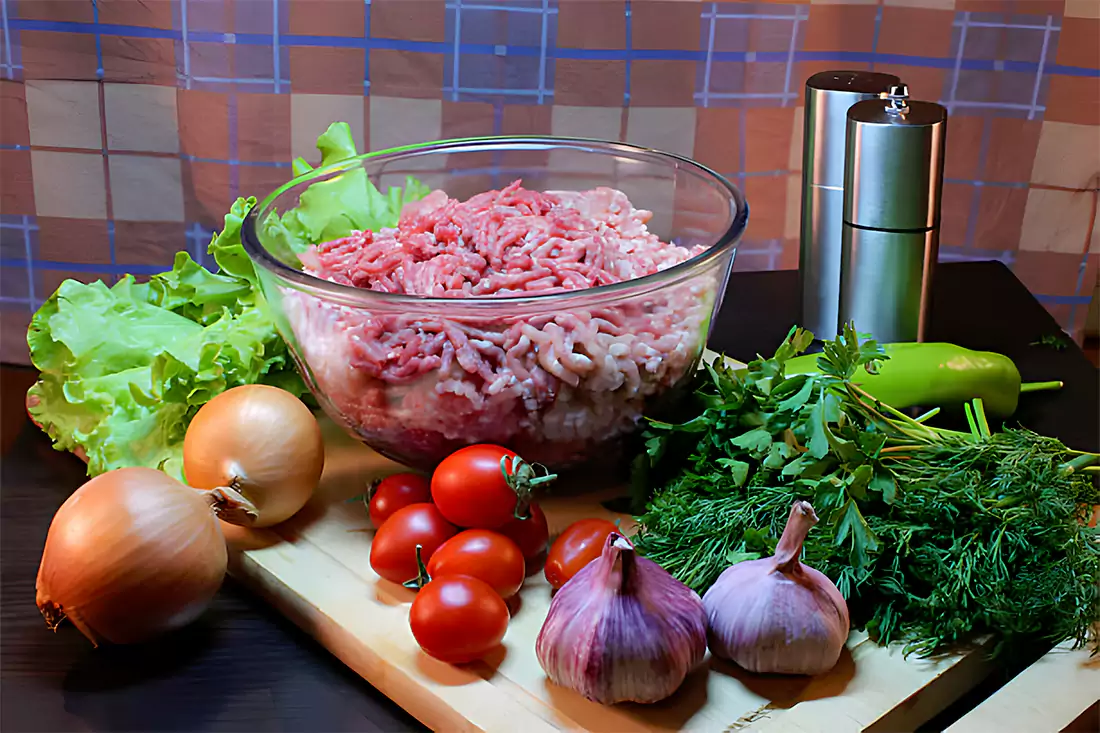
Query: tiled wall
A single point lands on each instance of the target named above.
(127, 127)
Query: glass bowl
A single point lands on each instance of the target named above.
(560, 377)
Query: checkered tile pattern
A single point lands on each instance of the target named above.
(128, 126)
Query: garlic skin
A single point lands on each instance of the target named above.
(776, 615)
(622, 629)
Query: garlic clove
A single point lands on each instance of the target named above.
(622, 630)
(776, 615)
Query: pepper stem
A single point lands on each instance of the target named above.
(1040, 386)
(799, 523)
(422, 578)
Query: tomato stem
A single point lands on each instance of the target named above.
(522, 479)
(422, 578)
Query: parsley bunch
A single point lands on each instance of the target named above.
(932, 535)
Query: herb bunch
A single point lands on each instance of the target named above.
(932, 535)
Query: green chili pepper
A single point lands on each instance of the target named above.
(937, 374)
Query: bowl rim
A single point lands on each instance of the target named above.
(351, 295)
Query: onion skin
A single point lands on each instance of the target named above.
(622, 629)
(776, 615)
(262, 442)
(130, 555)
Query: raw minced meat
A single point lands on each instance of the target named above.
(417, 382)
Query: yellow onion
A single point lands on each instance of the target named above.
(131, 554)
(261, 442)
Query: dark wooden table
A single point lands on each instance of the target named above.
(243, 668)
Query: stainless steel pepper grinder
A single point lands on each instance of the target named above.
(829, 95)
(893, 179)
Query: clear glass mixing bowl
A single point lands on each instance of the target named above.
(559, 377)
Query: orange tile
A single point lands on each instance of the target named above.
(263, 127)
(769, 35)
(146, 13)
(48, 281)
(50, 55)
(139, 60)
(1012, 145)
(915, 31)
(467, 119)
(673, 26)
(148, 242)
(327, 18)
(767, 197)
(717, 132)
(71, 11)
(585, 82)
(592, 24)
(805, 69)
(326, 70)
(766, 77)
(1073, 99)
(1057, 221)
(1000, 217)
(206, 195)
(260, 180)
(850, 27)
(409, 20)
(662, 83)
(203, 123)
(768, 133)
(73, 240)
(955, 213)
(964, 145)
(526, 119)
(788, 259)
(17, 192)
(13, 350)
(1048, 273)
(1079, 43)
(406, 73)
(13, 114)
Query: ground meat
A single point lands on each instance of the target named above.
(555, 385)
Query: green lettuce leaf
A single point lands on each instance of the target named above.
(125, 368)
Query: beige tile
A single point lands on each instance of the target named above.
(141, 117)
(311, 114)
(1057, 221)
(69, 185)
(792, 225)
(1068, 155)
(398, 121)
(597, 122)
(794, 163)
(1082, 9)
(146, 189)
(64, 114)
(670, 129)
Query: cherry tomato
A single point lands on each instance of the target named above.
(471, 490)
(458, 619)
(580, 543)
(532, 535)
(481, 554)
(393, 550)
(397, 492)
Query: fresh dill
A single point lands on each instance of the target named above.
(933, 535)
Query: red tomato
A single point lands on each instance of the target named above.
(397, 492)
(580, 543)
(393, 550)
(532, 535)
(471, 490)
(481, 554)
(458, 619)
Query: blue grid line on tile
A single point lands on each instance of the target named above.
(1064, 300)
(1014, 26)
(712, 22)
(90, 268)
(180, 156)
(953, 93)
(875, 34)
(233, 130)
(456, 49)
(275, 46)
(773, 248)
(366, 56)
(976, 195)
(1039, 71)
(950, 253)
(542, 49)
(791, 51)
(30, 258)
(98, 41)
(186, 45)
(628, 50)
(111, 240)
(197, 238)
(7, 65)
(555, 53)
(991, 184)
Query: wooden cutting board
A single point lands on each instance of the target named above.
(315, 570)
